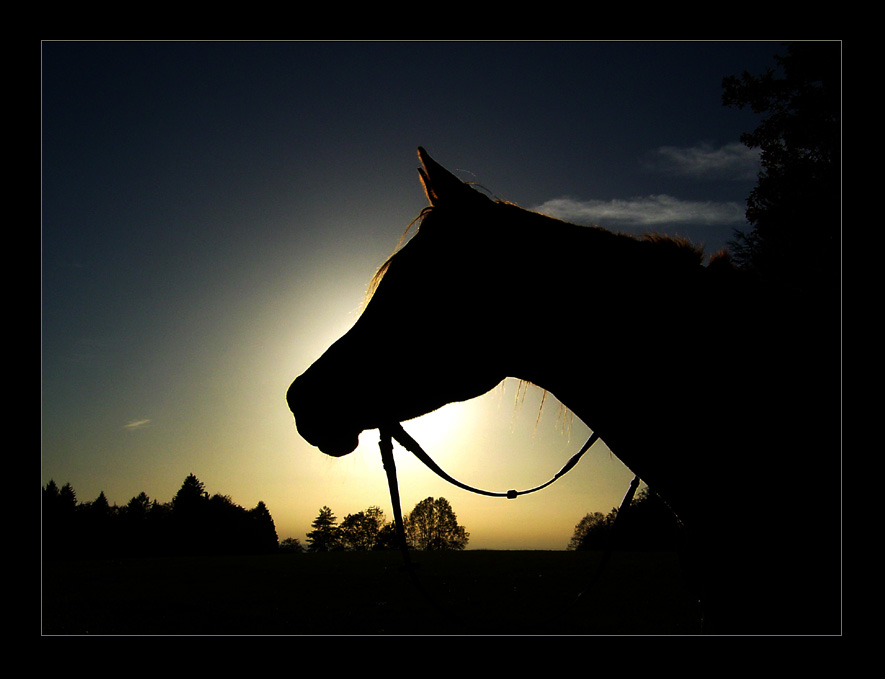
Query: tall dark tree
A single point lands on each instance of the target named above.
(67, 497)
(134, 525)
(59, 519)
(98, 536)
(262, 531)
(190, 517)
(191, 497)
(795, 208)
(324, 536)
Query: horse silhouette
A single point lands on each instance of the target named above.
(706, 381)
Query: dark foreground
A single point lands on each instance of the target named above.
(351, 593)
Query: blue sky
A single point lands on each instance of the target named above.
(212, 212)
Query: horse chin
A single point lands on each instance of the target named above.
(339, 448)
(334, 443)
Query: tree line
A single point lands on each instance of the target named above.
(192, 523)
(647, 524)
(195, 523)
(431, 525)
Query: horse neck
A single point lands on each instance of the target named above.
(605, 341)
(596, 309)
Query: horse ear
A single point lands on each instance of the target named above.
(439, 183)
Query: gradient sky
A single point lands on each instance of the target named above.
(212, 213)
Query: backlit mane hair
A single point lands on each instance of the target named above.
(379, 274)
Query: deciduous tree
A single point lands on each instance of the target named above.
(360, 531)
(433, 525)
(795, 208)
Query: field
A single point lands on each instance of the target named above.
(352, 593)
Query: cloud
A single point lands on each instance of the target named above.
(647, 211)
(733, 161)
(133, 425)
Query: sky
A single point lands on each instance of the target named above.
(212, 212)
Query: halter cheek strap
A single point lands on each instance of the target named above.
(386, 446)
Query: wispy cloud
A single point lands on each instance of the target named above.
(134, 425)
(700, 162)
(733, 161)
(648, 211)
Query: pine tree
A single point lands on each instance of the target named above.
(324, 536)
(263, 532)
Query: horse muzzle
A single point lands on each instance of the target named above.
(317, 422)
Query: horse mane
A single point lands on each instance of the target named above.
(679, 250)
(379, 274)
(675, 251)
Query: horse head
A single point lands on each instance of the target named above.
(422, 306)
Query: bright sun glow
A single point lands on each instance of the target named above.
(437, 430)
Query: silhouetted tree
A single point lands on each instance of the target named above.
(191, 498)
(262, 531)
(796, 206)
(190, 517)
(324, 536)
(98, 535)
(647, 524)
(592, 531)
(387, 537)
(191, 523)
(134, 525)
(433, 525)
(224, 526)
(360, 531)
(159, 534)
(138, 506)
(291, 546)
(59, 519)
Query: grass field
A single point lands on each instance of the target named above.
(352, 593)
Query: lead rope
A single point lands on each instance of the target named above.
(386, 446)
(395, 431)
